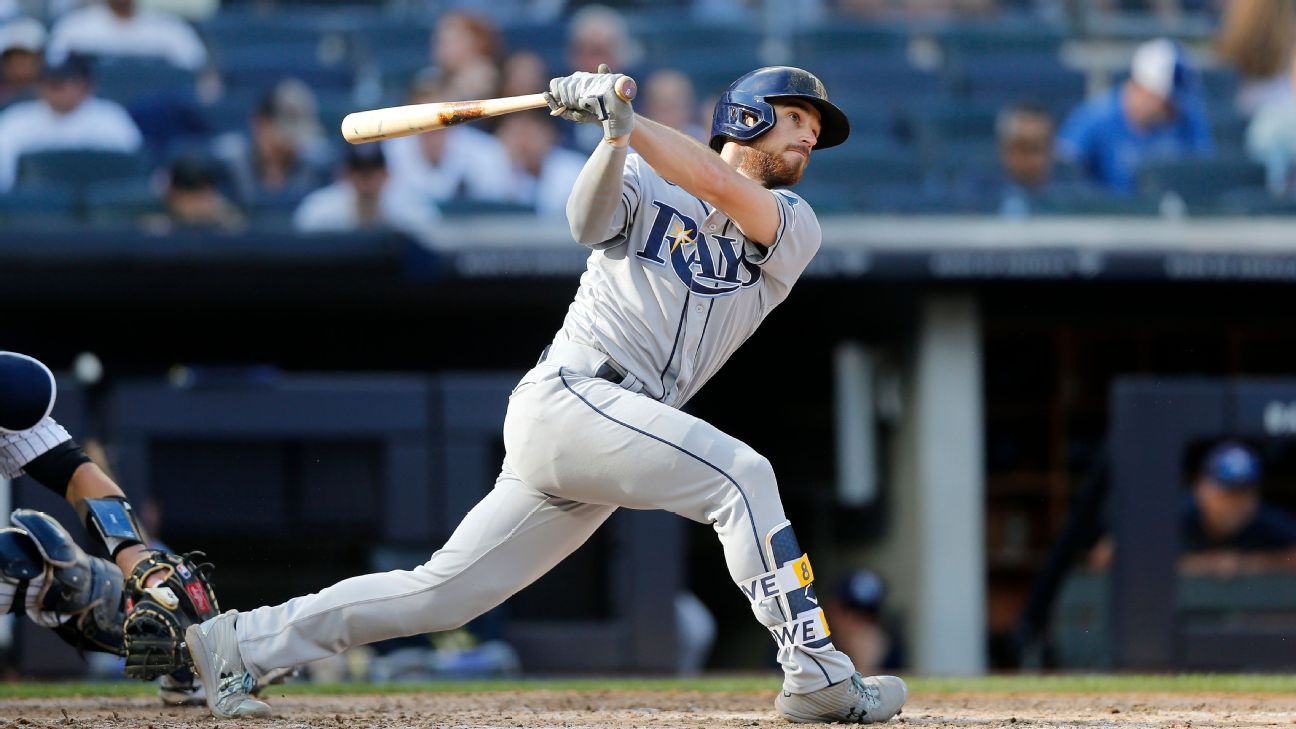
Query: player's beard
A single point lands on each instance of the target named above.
(770, 170)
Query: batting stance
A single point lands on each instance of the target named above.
(689, 251)
(138, 604)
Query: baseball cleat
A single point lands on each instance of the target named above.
(213, 645)
(181, 690)
(858, 701)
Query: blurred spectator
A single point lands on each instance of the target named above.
(1157, 113)
(363, 198)
(1257, 37)
(119, 28)
(668, 99)
(1024, 136)
(466, 52)
(598, 34)
(22, 44)
(193, 200)
(524, 73)
(1225, 526)
(66, 115)
(855, 614)
(287, 154)
(1271, 141)
(543, 172)
(459, 162)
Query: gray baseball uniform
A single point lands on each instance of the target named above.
(669, 295)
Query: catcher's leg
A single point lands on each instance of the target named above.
(515, 535)
(587, 439)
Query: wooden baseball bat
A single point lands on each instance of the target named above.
(402, 121)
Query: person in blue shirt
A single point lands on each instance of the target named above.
(1156, 113)
(1225, 525)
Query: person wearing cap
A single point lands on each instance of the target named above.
(1225, 525)
(363, 199)
(193, 200)
(1157, 113)
(118, 28)
(66, 116)
(285, 155)
(855, 613)
(22, 42)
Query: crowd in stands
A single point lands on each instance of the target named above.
(182, 114)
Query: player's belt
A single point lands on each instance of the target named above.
(575, 355)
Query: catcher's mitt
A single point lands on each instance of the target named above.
(156, 617)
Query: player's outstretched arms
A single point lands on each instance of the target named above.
(696, 168)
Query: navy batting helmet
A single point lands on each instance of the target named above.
(752, 94)
(26, 392)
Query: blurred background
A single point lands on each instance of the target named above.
(1031, 406)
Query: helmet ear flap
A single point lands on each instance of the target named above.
(742, 120)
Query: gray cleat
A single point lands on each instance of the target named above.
(858, 701)
(213, 645)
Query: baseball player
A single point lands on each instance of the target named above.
(690, 249)
(136, 605)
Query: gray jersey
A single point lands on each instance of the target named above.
(19, 449)
(677, 287)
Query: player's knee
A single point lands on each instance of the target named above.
(754, 471)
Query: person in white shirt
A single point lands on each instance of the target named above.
(543, 172)
(66, 116)
(364, 198)
(458, 163)
(119, 28)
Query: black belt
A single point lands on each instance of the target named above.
(605, 371)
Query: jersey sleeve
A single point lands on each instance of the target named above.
(795, 243)
(632, 182)
(19, 449)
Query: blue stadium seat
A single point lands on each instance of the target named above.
(959, 41)
(74, 170)
(864, 40)
(125, 80)
(37, 207)
(998, 82)
(260, 71)
(1200, 181)
(117, 204)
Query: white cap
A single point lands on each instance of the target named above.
(1158, 66)
(22, 34)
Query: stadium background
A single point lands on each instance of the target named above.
(934, 396)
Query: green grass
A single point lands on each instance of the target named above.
(1074, 684)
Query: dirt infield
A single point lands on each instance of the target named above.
(664, 709)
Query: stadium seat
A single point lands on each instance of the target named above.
(961, 41)
(1199, 181)
(125, 80)
(74, 170)
(463, 207)
(864, 40)
(37, 207)
(261, 68)
(997, 82)
(120, 205)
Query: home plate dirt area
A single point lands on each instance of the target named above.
(995, 704)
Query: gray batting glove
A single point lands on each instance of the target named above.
(592, 97)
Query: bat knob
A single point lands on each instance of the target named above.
(626, 88)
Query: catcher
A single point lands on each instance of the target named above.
(138, 604)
